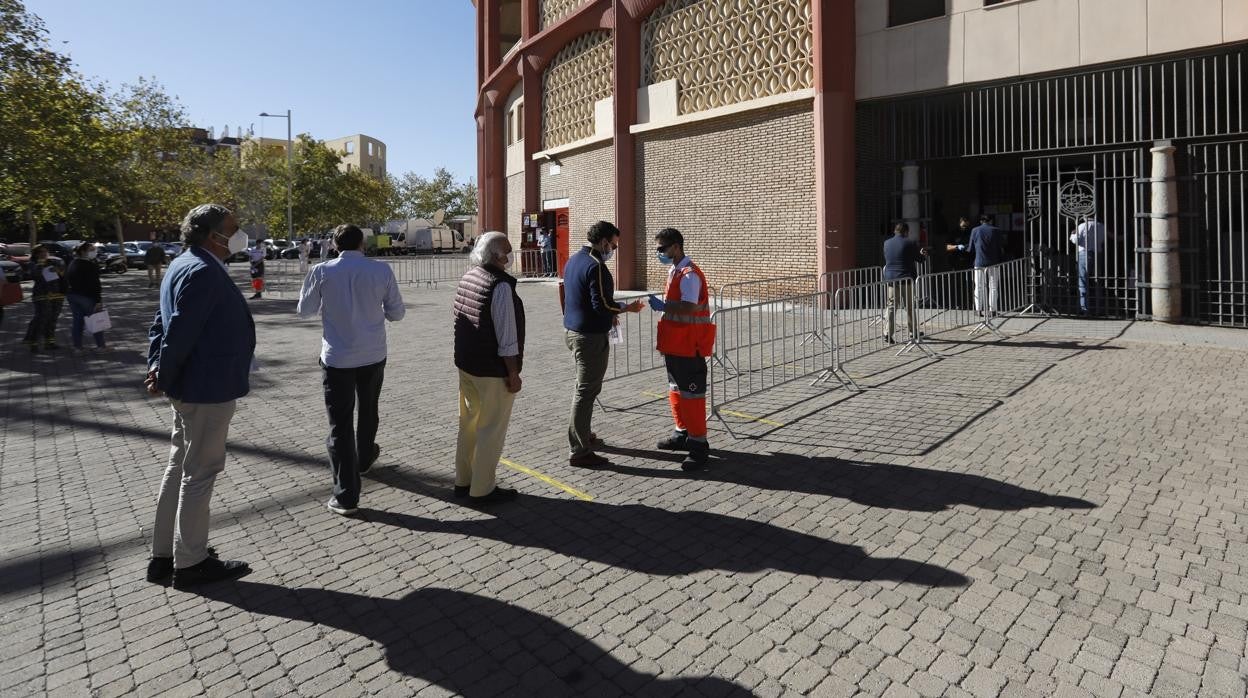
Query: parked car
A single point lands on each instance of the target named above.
(19, 253)
(12, 270)
(59, 249)
(131, 253)
(172, 249)
(136, 254)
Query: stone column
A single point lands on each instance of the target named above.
(1165, 273)
(910, 198)
(626, 79)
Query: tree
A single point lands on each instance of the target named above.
(420, 197)
(54, 145)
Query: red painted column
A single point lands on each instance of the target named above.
(532, 86)
(834, 56)
(494, 210)
(626, 79)
(530, 19)
(489, 33)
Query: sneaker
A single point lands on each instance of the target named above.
(461, 491)
(209, 571)
(498, 494)
(339, 509)
(678, 441)
(254, 297)
(160, 569)
(365, 467)
(589, 459)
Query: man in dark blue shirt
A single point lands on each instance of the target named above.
(988, 244)
(590, 311)
(901, 259)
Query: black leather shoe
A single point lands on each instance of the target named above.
(209, 571)
(160, 569)
(678, 441)
(461, 491)
(595, 442)
(368, 465)
(498, 494)
(699, 456)
(588, 460)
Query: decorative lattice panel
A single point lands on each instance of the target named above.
(554, 10)
(579, 76)
(723, 52)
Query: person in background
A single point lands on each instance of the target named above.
(489, 354)
(355, 296)
(987, 244)
(256, 256)
(546, 240)
(46, 296)
(201, 351)
(154, 259)
(686, 339)
(958, 249)
(304, 251)
(589, 313)
(85, 295)
(901, 259)
(1089, 240)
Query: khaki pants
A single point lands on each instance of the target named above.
(901, 293)
(196, 457)
(591, 352)
(153, 274)
(484, 412)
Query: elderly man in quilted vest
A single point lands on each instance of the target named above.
(489, 353)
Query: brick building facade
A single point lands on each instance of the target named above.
(787, 136)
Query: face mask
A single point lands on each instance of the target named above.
(663, 259)
(511, 257)
(93, 254)
(607, 255)
(235, 243)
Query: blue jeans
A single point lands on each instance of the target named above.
(81, 307)
(548, 262)
(1087, 266)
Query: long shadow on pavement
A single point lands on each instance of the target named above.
(657, 541)
(469, 644)
(869, 484)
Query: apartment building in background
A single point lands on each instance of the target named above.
(360, 152)
(788, 136)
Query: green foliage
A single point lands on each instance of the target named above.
(420, 198)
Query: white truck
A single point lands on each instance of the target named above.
(421, 236)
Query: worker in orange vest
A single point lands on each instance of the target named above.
(686, 340)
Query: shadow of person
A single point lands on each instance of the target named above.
(870, 484)
(469, 644)
(657, 541)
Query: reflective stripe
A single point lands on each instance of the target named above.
(689, 319)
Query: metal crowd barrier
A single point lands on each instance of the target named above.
(766, 344)
(429, 270)
(977, 298)
(283, 278)
(636, 353)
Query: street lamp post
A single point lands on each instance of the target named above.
(290, 174)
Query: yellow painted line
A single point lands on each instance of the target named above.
(650, 394)
(743, 415)
(547, 479)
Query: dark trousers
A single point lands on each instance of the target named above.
(548, 262)
(592, 353)
(348, 446)
(43, 323)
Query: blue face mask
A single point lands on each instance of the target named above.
(663, 259)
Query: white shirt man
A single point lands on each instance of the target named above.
(355, 296)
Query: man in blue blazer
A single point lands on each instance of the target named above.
(202, 343)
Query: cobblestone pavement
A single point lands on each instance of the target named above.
(1063, 513)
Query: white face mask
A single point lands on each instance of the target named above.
(511, 257)
(235, 243)
(606, 256)
(93, 254)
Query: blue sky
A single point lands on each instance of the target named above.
(402, 71)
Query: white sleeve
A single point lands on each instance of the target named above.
(690, 288)
(503, 311)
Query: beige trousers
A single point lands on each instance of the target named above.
(484, 412)
(196, 457)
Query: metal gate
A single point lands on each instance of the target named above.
(1060, 191)
(1217, 231)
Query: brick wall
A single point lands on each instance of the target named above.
(515, 207)
(587, 180)
(740, 188)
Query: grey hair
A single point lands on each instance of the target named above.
(202, 221)
(487, 248)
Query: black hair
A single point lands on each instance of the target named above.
(985, 218)
(602, 230)
(348, 237)
(670, 236)
(82, 247)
